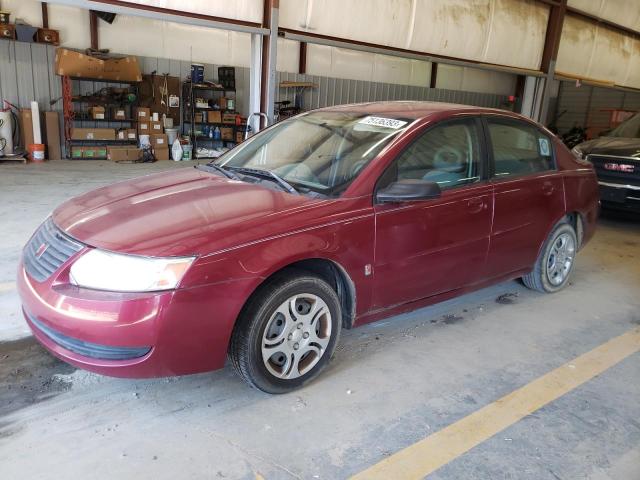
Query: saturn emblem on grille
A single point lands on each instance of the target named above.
(41, 249)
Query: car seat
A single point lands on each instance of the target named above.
(449, 164)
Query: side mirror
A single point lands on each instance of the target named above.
(408, 191)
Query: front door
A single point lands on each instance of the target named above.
(429, 247)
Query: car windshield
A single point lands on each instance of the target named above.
(319, 152)
(630, 128)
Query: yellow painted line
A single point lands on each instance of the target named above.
(438, 449)
(7, 287)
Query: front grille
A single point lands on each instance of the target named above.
(630, 178)
(87, 349)
(47, 250)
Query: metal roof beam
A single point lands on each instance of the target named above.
(307, 37)
(166, 14)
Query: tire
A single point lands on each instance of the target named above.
(554, 265)
(270, 349)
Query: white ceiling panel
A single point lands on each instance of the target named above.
(622, 12)
(468, 29)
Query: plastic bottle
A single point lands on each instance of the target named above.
(216, 134)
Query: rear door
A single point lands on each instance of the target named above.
(428, 247)
(528, 192)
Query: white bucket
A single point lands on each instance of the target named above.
(187, 151)
(172, 134)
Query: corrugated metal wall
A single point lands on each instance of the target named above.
(336, 91)
(586, 105)
(27, 73)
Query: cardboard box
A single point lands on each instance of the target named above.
(226, 133)
(93, 134)
(26, 126)
(76, 64)
(144, 128)
(222, 103)
(134, 154)
(156, 127)
(143, 114)
(239, 137)
(131, 134)
(213, 116)
(119, 113)
(198, 117)
(159, 140)
(229, 118)
(101, 151)
(117, 154)
(161, 153)
(121, 134)
(76, 152)
(97, 113)
(124, 154)
(52, 130)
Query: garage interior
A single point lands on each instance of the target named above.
(500, 383)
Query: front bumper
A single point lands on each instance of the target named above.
(620, 196)
(134, 335)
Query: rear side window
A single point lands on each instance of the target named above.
(519, 149)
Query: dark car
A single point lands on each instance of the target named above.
(328, 220)
(616, 158)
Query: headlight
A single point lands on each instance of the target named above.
(103, 270)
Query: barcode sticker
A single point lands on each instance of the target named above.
(383, 122)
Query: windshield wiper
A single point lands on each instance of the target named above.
(213, 168)
(268, 174)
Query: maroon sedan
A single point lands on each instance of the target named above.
(325, 221)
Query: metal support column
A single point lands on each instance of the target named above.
(269, 57)
(255, 78)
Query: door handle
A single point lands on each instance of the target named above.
(547, 188)
(476, 205)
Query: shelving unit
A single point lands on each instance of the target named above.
(195, 130)
(76, 110)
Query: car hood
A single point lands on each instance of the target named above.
(622, 147)
(182, 212)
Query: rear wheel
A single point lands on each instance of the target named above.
(554, 265)
(287, 333)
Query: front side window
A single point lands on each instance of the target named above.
(320, 152)
(519, 148)
(447, 154)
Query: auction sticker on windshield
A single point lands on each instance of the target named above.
(383, 122)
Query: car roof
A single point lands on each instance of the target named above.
(411, 109)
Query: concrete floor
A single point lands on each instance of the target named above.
(391, 383)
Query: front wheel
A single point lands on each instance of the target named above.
(554, 265)
(287, 333)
